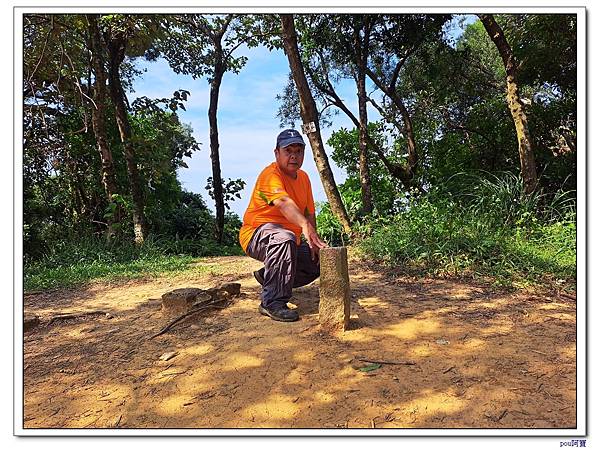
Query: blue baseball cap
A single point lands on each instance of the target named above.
(289, 137)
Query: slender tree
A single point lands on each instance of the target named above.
(341, 44)
(361, 37)
(117, 33)
(376, 46)
(98, 106)
(515, 105)
(204, 46)
(309, 114)
(395, 39)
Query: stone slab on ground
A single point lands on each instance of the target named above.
(334, 289)
(180, 301)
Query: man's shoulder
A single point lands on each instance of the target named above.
(304, 175)
(268, 170)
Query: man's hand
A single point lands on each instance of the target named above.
(313, 240)
(290, 210)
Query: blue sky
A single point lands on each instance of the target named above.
(246, 118)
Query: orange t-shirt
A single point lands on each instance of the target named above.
(271, 185)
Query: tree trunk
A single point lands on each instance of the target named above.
(308, 112)
(528, 169)
(363, 159)
(116, 47)
(99, 123)
(215, 85)
(396, 170)
(411, 146)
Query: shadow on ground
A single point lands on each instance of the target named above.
(453, 354)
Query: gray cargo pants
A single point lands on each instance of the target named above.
(287, 265)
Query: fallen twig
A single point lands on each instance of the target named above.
(397, 363)
(184, 316)
(204, 395)
(128, 353)
(448, 369)
(569, 296)
(75, 316)
(172, 373)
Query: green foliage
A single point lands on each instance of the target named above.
(539, 38)
(386, 190)
(328, 227)
(85, 259)
(63, 195)
(486, 229)
(231, 189)
(459, 108)
(473, 218)
(202, 45)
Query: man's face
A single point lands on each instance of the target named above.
(290, 158)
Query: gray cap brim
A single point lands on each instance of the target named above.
(292, 140)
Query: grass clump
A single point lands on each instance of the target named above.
(486, 227)
(70, 263)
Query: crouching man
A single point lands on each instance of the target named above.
(282, 209)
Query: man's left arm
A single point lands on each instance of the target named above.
(312, 218)
(310, 212)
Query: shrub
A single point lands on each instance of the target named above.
(486, 228)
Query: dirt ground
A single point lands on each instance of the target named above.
(483, 358)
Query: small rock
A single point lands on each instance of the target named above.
(202, 297)
(168, 355)
(108, 315)
(442, 341)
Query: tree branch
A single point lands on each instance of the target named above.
(30, 77)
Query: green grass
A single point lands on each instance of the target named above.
(72, 263)
(488, 233)
(39, 277)
(461, 245)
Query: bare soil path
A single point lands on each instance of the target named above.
(482, 358)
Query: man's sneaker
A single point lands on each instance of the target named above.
(259, 275)
(281, 313)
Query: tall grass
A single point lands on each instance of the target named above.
(482, 226)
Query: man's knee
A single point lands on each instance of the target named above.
(283, 236)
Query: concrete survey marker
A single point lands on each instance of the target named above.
(334, 290)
